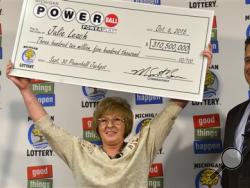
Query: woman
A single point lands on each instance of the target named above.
(114, 163)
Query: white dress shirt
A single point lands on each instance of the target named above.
(238, 140)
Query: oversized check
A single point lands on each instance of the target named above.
(116, 45)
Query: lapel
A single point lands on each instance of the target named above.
(248, 148)
(234, 121)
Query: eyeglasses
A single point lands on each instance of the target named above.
(114, 121)
(247, 59)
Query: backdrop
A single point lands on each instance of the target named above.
(188, 154)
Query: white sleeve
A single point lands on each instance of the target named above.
(62, 142)
(160, 127)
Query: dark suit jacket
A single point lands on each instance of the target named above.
(240, 177)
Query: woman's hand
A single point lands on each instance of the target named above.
(21, 83)
(208, 53)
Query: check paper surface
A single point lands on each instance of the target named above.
(115, 45)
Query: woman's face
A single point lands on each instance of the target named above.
(111, 128)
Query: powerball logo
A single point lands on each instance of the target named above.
(94, 21)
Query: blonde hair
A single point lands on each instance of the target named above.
(114, 104)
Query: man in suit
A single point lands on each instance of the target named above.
(236, 135)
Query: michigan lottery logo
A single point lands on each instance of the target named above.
(94, 94)
(36, 138)
(203, 179)
(28, 57)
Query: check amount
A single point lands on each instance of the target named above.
(171, 46)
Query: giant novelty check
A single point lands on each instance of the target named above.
(116, 45)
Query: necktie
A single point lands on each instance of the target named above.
(246, 136)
